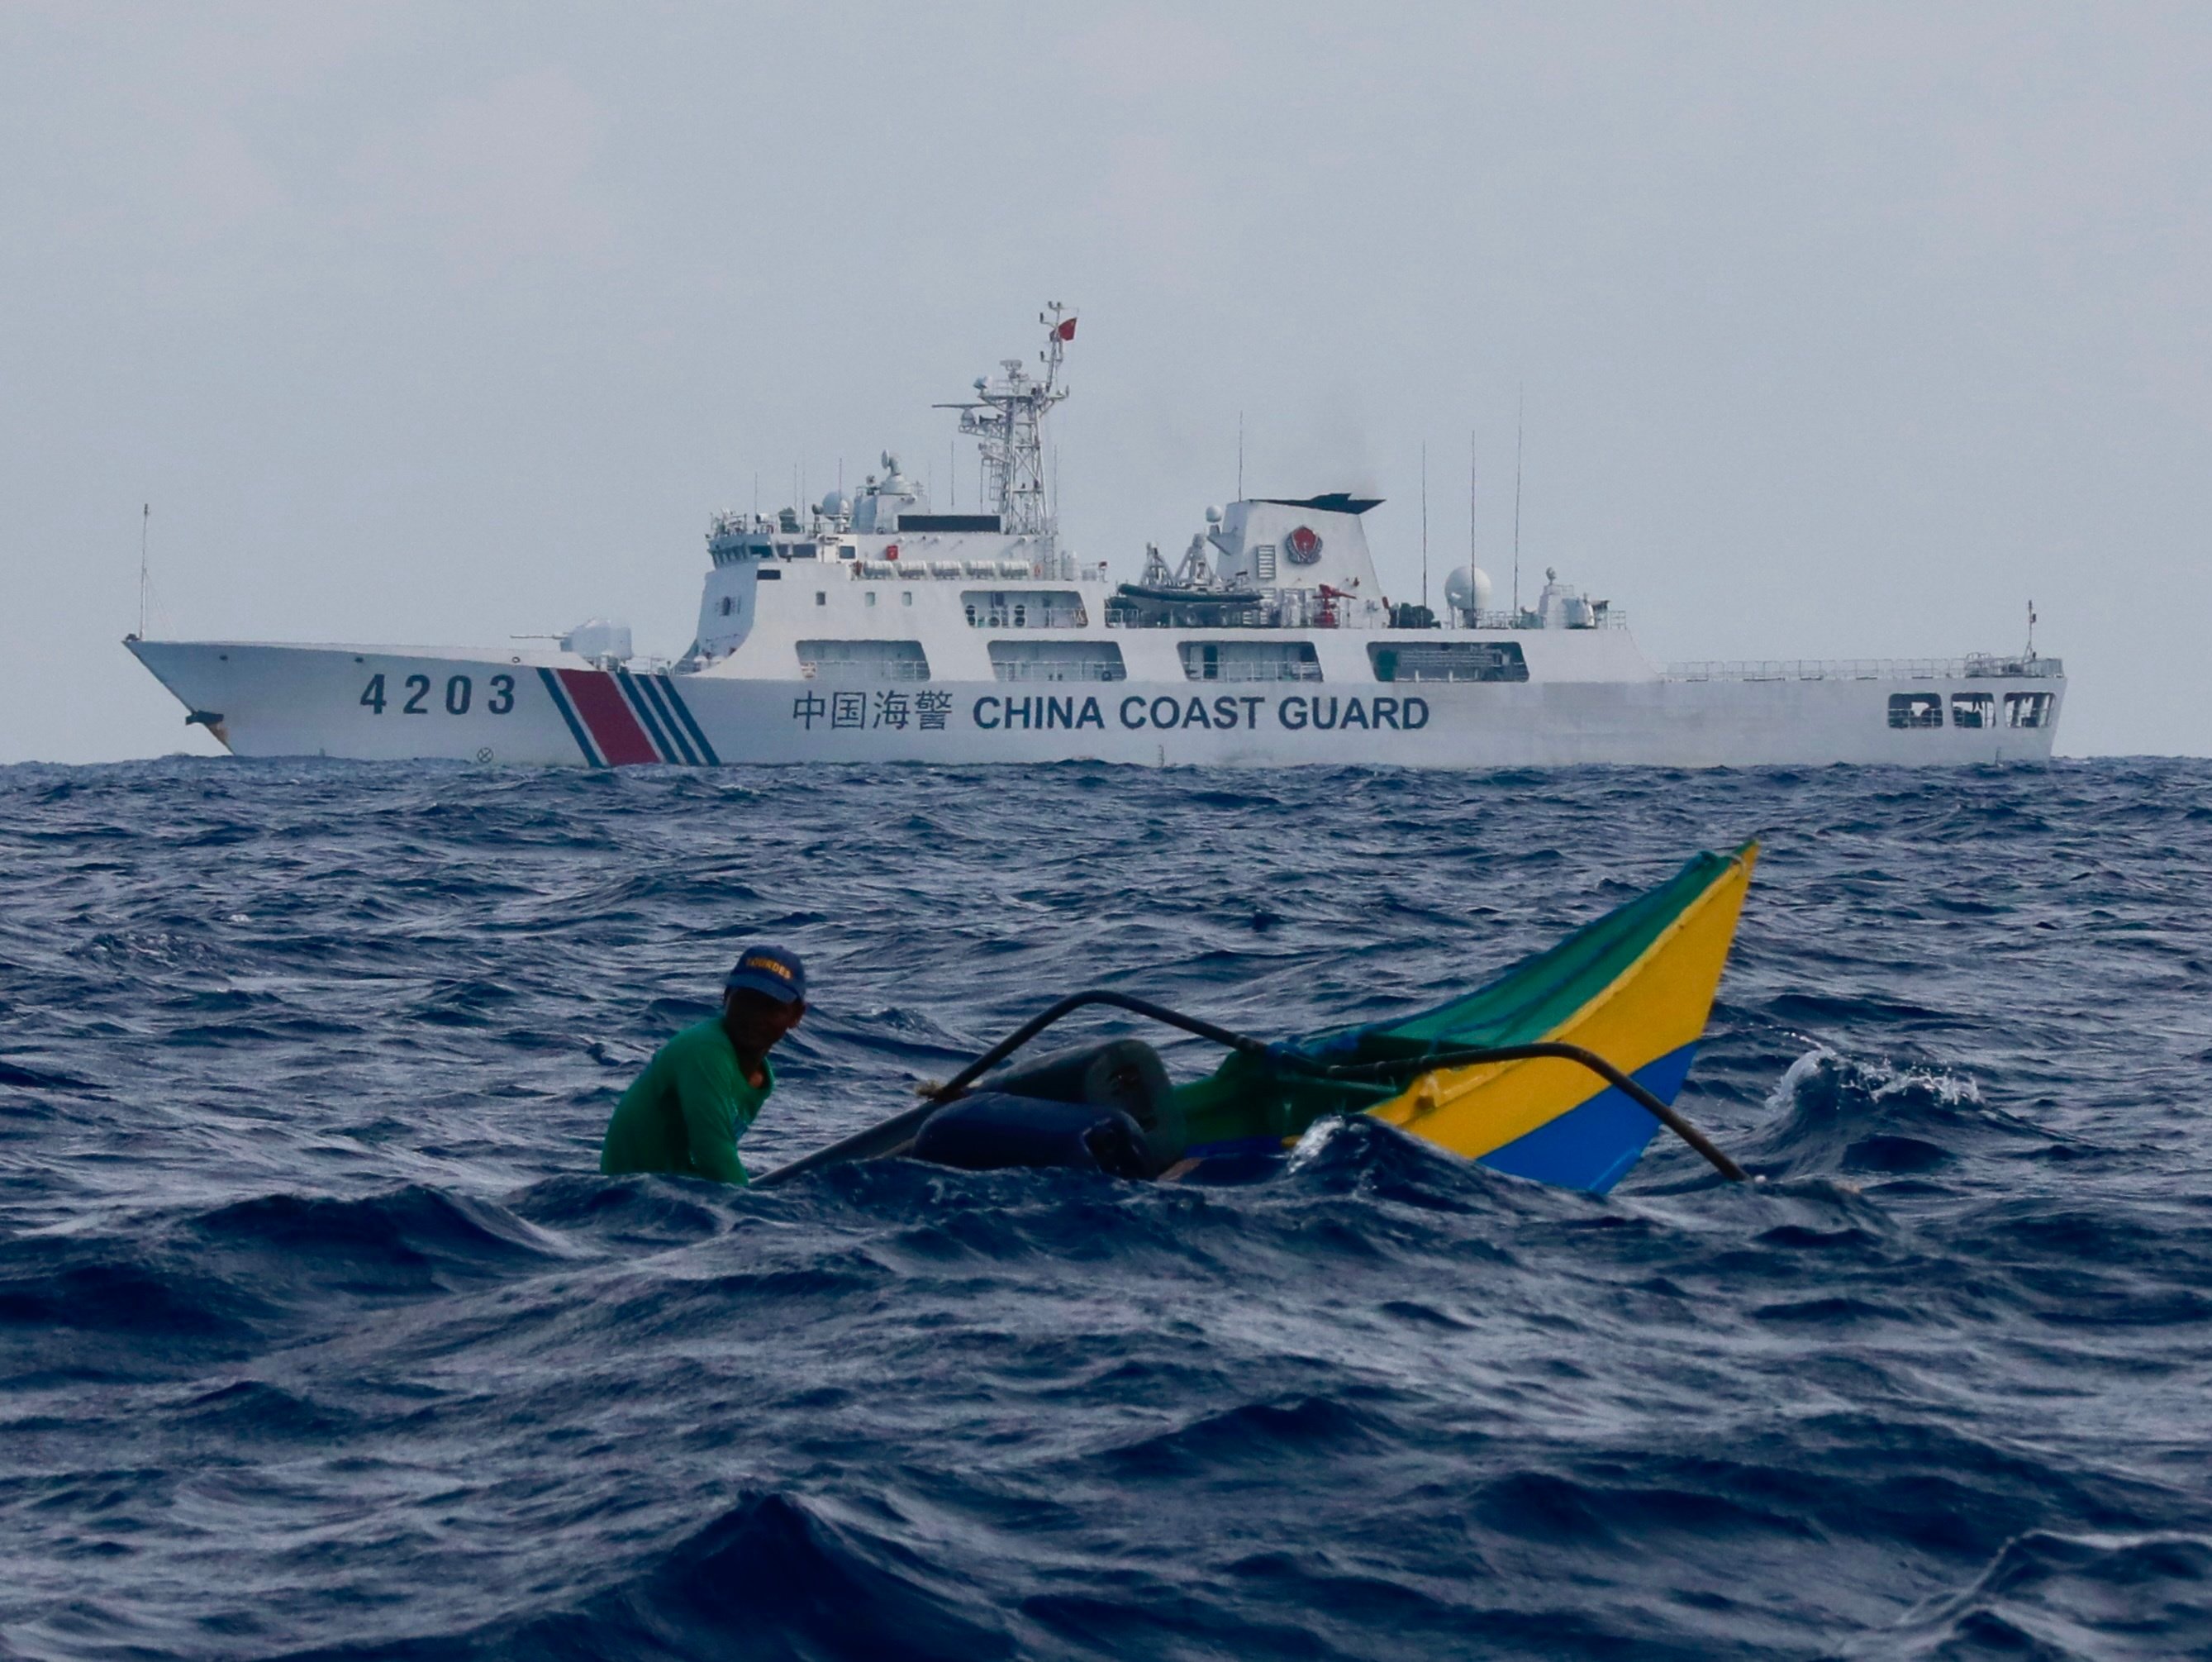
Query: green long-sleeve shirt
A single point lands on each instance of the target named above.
(687, 1110)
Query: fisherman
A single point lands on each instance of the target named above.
(701, 1090)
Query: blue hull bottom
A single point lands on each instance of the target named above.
(1592, 1146)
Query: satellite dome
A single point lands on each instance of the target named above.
(836, 504)
(1213, 515)
(1467, 588)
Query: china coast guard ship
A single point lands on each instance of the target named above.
(875, 629)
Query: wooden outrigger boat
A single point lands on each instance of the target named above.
(1561, 1069)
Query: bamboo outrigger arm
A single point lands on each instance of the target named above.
(890, 1135)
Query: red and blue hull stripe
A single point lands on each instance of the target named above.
(619, 719)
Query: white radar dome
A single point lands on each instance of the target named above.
(1213, 516)
(1467, 588)
(836, 504)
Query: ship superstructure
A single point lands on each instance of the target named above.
(875, 628)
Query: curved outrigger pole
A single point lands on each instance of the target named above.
(894, 1133)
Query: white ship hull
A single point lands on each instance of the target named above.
(553, 710)
(872, 629)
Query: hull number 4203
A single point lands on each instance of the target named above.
(460, 694)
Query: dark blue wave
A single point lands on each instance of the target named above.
(323, 1337)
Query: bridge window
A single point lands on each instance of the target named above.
(1449, 660)
(2026, 709)
(1057, 660)
(1973, 710)
(863, 661)
(1916, 709)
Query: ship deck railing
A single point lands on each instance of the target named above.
(1087, 669)
(1613, 616)
(1237, 671)
(1975, 666)
(923, 567)
(864, 669)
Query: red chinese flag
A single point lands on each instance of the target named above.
(1067, 331)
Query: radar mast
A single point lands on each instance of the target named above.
(1007, 419)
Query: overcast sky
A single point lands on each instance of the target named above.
(1844, 331)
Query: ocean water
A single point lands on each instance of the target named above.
(319, 1335)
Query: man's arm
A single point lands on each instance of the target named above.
(707, 1089)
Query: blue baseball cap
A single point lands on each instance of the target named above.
(769, 969)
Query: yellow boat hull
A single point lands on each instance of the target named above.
(1646, 1020)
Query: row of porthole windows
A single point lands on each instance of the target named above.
(995, 619)
(1019, 615)
(1010, 661)
(1969, 709)
(822, 598)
